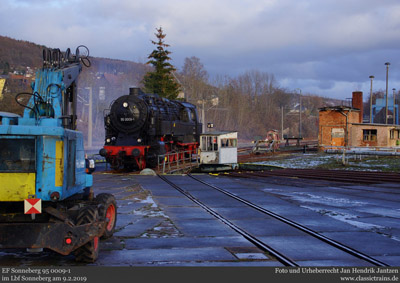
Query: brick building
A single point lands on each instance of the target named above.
(342, 126)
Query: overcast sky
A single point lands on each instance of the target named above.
(328, 47)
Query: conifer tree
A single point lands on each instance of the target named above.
(161, 80)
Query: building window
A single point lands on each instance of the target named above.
(369, 135)
(392, 134)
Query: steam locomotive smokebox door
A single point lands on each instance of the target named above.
(128, 113)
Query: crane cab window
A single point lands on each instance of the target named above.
(17, 155)
(209, 143)
(228, 142)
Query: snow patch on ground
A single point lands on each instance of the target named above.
(303, 161)
(153, 212)
(395, 238)
(148, 200)
(329, 201)
(314, 160)
(347, 218)
(150, 213)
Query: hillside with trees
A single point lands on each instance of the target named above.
(16, 55)
(251, 103)
(106, 78)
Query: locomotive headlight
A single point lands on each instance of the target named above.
(139, 140)
(125, 104)
(108, 140)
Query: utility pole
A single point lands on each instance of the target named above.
(299, 113)
(281, 122)
(203, 116)
(387, 86)
(394, 106)
(90, 118)
(370, 102)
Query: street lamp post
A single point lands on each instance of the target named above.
(282, 122)
(387, 85)
(370, 102)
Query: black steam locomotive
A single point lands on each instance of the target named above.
(141, 127)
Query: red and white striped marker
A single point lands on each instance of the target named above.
(33, 206)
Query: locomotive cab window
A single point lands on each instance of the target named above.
(185, 115)
(192, 114)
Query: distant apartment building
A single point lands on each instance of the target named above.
(343, 126)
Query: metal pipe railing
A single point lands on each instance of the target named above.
(177, 160)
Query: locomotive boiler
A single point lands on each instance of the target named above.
(140, 128)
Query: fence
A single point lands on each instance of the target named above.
(365, 150)
(177, 161)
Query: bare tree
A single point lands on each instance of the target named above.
(194, 79)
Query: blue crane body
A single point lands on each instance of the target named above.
(46, 200)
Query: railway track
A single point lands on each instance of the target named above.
(266, 248)
(270, 218)
(362, 177)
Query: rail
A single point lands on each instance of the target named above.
(259, 243)
(177, 161)
(296, 225)
(360, 177)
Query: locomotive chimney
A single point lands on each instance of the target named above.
(357, 102)
(135, 91)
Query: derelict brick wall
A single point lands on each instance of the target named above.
(357, 102)
(357, 138)
(329, 119)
